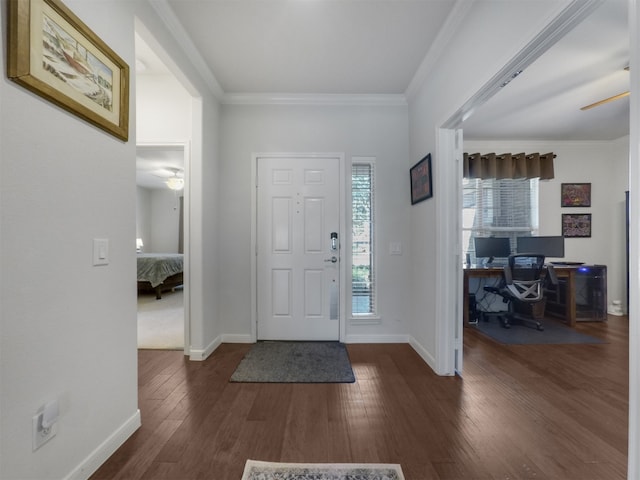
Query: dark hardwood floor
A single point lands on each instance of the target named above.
(519, 412)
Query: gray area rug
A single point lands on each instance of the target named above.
(255, 470)
(553, 333)
(295, 362)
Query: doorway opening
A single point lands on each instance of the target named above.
(166, 118)
(160, 245)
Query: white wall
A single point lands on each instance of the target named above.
(380, 132)
(143, 217)
(604, 165)
(68, 328)
(158, 219)
(164, 110)
(165, 221)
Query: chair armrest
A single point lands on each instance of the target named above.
(551, 275)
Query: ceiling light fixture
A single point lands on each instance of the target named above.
(175, 183)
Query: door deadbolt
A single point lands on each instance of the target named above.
(334, 240)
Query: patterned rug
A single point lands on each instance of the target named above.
(256, 470)
(295, 362)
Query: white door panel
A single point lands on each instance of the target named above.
(298, 283)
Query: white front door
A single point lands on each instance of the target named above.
(298, 263)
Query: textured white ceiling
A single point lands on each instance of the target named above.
(543, 103)
(313, 46)
(377, 46)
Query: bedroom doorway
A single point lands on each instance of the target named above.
(160, 222)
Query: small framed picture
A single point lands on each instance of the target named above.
(576, 225)
(575, 195)
(421, 186)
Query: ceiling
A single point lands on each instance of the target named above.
(543, 103)
(376, 47)
(156, 163)
(312, 46)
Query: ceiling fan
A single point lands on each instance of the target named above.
(174, 177)
(607, 100)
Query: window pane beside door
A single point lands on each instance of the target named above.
(363, 288)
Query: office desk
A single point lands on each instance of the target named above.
(567, 273)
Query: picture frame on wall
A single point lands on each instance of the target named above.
(575, 194)
(576, 225)
(421, 181)
(52, 53)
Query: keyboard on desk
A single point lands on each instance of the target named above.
(567, 264)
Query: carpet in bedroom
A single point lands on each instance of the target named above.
(161, 322)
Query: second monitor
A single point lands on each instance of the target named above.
(492, 247)
(547, 246)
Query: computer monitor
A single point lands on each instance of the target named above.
(492, 247)
(547, 246)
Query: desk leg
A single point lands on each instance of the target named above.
(571, 299)
(465, 299)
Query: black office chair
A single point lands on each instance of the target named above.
(522, 287)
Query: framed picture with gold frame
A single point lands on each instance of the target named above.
(54, 54)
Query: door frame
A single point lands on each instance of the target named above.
(342, 185)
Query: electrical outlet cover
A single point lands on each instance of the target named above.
(39, 436)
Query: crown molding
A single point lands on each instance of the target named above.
(384, 100)
(444, 36)
(168, 17)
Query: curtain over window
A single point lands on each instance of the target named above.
(509, 165)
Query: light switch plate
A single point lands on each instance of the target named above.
(395, 248)
(101, 251)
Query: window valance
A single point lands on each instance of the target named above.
(508, 165)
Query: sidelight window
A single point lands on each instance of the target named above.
(363, 274)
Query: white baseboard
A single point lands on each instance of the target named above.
(376, 338)
(200, 355)
(236, 338)
(100, 455)
(424, 354)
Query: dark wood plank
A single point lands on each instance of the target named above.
(519, 411)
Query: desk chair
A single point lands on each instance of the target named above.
(522, 288)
